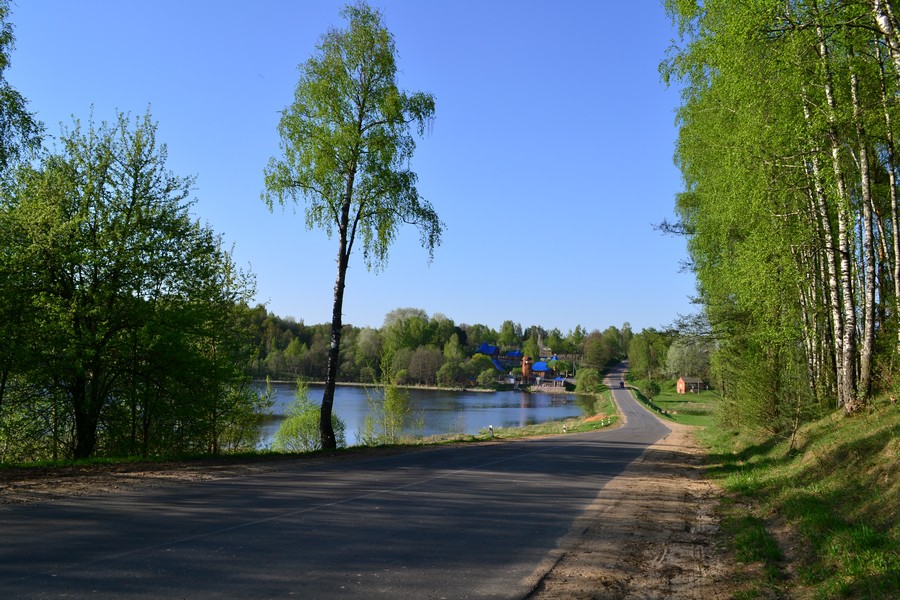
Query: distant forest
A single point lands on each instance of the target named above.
(421, 349)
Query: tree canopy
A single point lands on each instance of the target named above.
(127, 310)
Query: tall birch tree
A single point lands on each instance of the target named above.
(346, 145)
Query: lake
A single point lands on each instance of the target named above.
(443, 411)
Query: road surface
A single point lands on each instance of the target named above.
(478, 521)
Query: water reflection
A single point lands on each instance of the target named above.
(442, 411)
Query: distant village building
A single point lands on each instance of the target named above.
(526, 367)
(690, 384)
(541, 369)
(488, 350)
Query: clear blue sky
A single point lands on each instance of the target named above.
(549, 160)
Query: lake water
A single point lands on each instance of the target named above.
(442, 411)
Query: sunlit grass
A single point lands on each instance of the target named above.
(837, 492)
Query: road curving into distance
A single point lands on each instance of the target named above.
(465, 521)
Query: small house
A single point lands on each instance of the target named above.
(690, 384)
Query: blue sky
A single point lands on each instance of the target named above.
(549, 160)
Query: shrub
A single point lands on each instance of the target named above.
(299, 432)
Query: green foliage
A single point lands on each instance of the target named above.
(531, 348)
(479, 363)
(450, 375)
(587, 381)
(390, 418)
(510, 335)
(20, 132)
(424, 364)
(299, 432)
(347, 147)
(688, 357)
(487, 377)
(140, 312)
(787, 149)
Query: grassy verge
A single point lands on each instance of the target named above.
(696, 409)
(819, 520)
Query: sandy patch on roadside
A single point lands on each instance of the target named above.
(651, 533)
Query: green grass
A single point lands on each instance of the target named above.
(836, 493)
(689, 409)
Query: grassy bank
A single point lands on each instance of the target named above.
(818, 520)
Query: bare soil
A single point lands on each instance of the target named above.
(651, 533)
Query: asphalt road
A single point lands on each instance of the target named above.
(456, 522)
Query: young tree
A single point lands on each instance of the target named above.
(346, 145)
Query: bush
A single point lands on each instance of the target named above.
(299, 432)
(487, 377)
(391, 415)
(587, 381)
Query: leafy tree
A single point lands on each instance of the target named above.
(409, 330)
(575, 338)
(137, 306)
(563, 367)
(557, 342)
(647, 353)
(596, 351)
(390, 415)
(531, 348)
(453, 350)
(587, 381)
(487, 377)
(347, 145)
(368, 354)
(442, 328)
(477, 365)
(787, 149)
(20, 132)
(625, 336)
(688, 357)
(478, 334)
(424, 364)
(450, 374)
(510, 335)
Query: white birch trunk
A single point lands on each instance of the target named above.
(847, 360)
(868, 312)
(830, 266)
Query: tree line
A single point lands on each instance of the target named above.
(787, 148)
(414, 348)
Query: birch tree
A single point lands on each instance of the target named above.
(790, 202)
(346, 144)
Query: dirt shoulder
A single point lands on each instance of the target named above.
(43, 484)
(652, 533)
